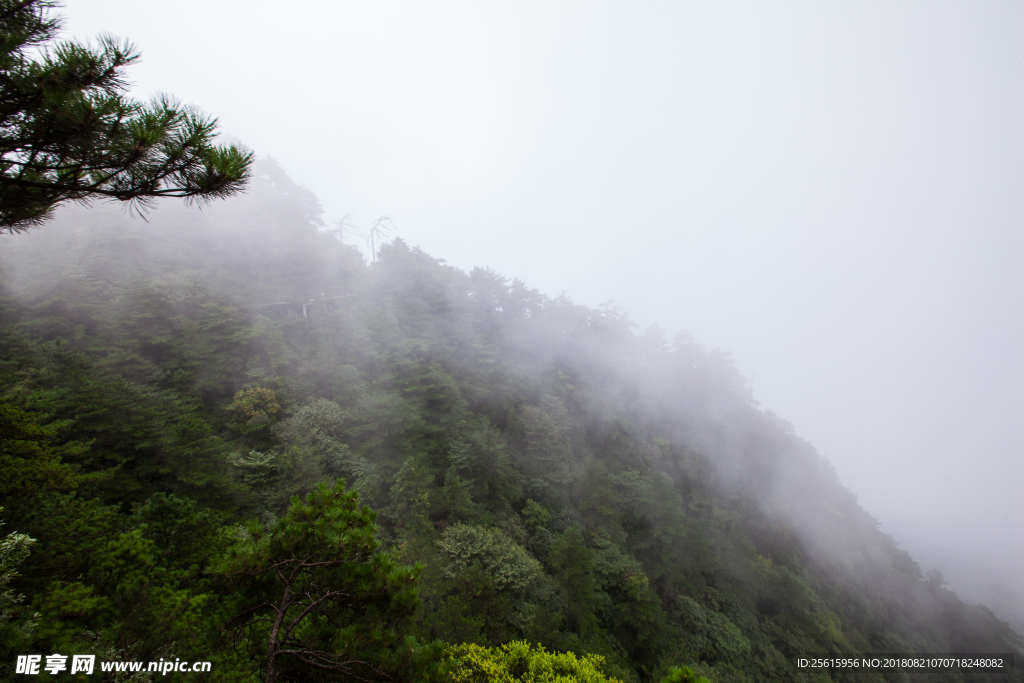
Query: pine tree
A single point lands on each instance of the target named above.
(317, 593)
(69, 132)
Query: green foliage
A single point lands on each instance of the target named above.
(534, 515)
(508, 564)
(519, 662)
(683, 674)
(573, 565)
(70, 133)
(317, 595)
(274, 477)
(323, 427)
(257, 403)
(484, 587)
(30, 456)
(16, 624)
(547, 455)
(182, 532)
(727, 642)
(691, 624)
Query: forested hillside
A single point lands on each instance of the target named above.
(169, 386)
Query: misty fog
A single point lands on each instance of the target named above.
(832, 193)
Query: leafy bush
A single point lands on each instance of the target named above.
(519, 662)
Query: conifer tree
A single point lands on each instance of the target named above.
(69, 132)
(318, 595)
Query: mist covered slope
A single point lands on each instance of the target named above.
(562, 479)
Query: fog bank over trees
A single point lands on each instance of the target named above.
(829, 192)
(538, 470)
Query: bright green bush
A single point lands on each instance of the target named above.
(518, 662)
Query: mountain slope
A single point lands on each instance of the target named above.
(561, 479)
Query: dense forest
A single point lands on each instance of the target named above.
(180, 398)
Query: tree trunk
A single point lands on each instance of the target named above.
(275, 631)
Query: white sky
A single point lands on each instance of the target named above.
(832, 191)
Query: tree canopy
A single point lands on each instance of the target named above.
(69, 132)
(317, 594)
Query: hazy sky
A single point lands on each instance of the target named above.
(832, 191)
